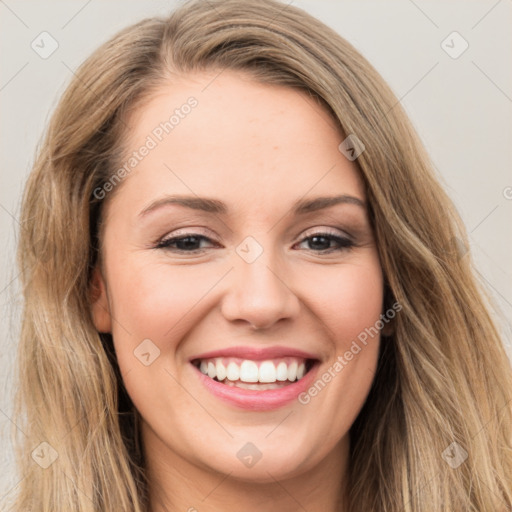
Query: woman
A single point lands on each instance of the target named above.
(245, 288)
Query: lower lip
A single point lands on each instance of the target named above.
(255, 400)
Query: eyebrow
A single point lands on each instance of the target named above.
(211, 205)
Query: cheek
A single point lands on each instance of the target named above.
(160, 303)
(348, 300)
(157, 302)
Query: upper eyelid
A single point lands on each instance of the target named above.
(327, 230)
(184, 232)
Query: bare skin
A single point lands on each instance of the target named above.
(259, 149)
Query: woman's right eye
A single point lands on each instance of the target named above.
(188, 243)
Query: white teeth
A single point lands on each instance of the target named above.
(212, 372)
(249, 371)
(254, 372)
(292, 371)
(282, 372)
(232, 371)
(267, 372)
(221, 370)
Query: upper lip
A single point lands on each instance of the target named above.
(256, 353)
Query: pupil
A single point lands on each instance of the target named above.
(189, 242)
(319, 242)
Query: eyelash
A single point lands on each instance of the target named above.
(344, 243)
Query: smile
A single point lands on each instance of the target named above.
(256, 379)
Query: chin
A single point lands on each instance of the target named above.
(261, 462)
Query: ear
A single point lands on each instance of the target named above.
(100, 307)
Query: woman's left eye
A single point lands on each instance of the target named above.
(321, 242)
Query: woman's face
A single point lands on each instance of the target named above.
(226, 256)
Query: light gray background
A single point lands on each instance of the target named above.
(462, 109)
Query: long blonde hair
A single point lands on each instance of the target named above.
(443, 375)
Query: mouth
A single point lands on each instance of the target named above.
(255, 374)
(256, 379)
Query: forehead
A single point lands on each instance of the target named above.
(228, 136)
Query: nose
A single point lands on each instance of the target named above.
(259, 295)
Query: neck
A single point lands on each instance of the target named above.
(177, 485)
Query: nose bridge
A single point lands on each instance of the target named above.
(259, 293)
